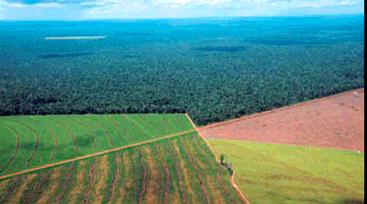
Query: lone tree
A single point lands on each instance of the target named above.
(222, 159)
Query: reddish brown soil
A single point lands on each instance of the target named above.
(335, 121)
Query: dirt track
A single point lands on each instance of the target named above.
(242, 196)
(335, 121)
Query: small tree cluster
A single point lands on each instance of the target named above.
(226, 164)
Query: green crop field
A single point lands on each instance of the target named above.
(31, 141)
(179, 169)
(268, 173)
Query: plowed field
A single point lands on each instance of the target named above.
(336, 121)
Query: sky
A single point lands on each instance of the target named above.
(136, 9)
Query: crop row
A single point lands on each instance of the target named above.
(31, 141)
(179, 170)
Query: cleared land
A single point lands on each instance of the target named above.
(178, 169)
(336, 121)
(275, 173)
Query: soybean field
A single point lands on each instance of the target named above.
(156, 158)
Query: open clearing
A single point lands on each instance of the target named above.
(278, 173)
(166, 169)
(336, 121)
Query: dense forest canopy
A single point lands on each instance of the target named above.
(214, 69)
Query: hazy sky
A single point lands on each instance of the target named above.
(121, 9)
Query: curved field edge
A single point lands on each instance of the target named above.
(141, 179)
(272, 173)
(42, 140)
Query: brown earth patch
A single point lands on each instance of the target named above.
(88, 193)
(144, 179)
(19, 192)
(78, 189)
(166, 176)
(116, 177)
(68, 179)
(127, 182)
(186, 181)
(101, 178)
(336, 121)
(153, 183)
(50, 191)
(3, 184)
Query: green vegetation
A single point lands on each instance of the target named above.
(269, 173)
(213, 69)
(226, 164)
(31, 141)
(177, 170)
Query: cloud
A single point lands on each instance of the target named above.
(39, 10)
(29, 2)
(100, 9)
(2, 17)
(176, 3)
(112, 9)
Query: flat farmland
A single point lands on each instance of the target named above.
(336, 121)
(146, 158)
(178, 170)
(32, 141)
(281, 173)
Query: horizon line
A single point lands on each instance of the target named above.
(184, 18)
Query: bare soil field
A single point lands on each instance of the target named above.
(336, 121)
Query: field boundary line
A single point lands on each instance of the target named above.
(234, 184)
(242, 196)
(284, 108)
(97, 154)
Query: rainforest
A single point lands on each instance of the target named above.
(212, 68)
